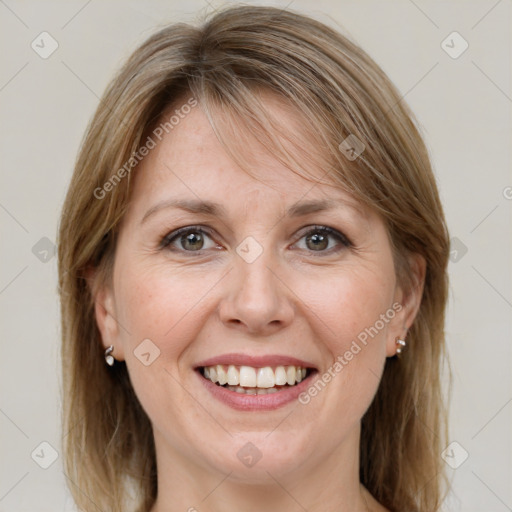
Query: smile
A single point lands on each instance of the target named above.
(249, 382)
(254, 381)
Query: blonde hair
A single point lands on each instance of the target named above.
(337, 90)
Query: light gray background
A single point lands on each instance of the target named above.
(463, 104)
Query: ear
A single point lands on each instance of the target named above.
(105, 313)
(409, 296)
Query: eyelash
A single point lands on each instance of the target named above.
(324, 230)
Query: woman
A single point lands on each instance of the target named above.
(253, 279)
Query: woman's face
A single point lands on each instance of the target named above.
(267, 275)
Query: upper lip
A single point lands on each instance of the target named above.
(255, 361)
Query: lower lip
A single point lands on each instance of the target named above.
(244, 402)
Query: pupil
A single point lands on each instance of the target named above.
(192, 239)
(319, 241)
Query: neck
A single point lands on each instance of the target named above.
(329, 483)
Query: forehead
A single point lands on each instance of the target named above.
(190, 160)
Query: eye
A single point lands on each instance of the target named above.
(318, 239)
(195, 239)
(189, 239)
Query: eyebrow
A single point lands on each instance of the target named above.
(217, 210)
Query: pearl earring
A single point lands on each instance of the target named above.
(400, 344)
(109, 358)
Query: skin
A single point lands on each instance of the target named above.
(294, 299)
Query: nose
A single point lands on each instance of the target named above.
(257, 300)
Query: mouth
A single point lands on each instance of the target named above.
(249, 380)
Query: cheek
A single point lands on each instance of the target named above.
(164, 306)
(353, 313)
(349, 304)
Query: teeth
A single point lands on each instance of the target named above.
(222, 377)
(252, 391)
(233, 376)
(252, 381)
(280, 374)
(265, 378)
(247, 377)
(290, 375)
